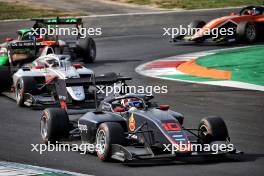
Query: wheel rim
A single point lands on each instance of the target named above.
(251, 32)
(44, 128)
(19, 91)
(101, 142)
(203, 132)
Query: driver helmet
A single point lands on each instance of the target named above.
(132, 102)
(256, 11)
(30, 36)
(51, 62)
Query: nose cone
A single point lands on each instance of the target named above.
(210, 26)
(68, 72)
(77, 93)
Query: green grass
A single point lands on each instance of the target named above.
(188, 78)
(11, 11)
(193, 4)
(246, 65)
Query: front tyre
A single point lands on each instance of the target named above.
(246, 32)
(108, 133)
(23, 86)
(212, 129)
(54, 125)
(5, 78)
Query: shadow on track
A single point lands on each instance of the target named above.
(207, 43)
(196, 160)
(109, 61)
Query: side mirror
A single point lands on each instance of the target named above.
(39, 67)
(119, 110)
(8, 39)
(77, 66)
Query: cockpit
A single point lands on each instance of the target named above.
(252, 10)
(53, 61)
(128, 102)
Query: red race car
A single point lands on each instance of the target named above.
(247, 26)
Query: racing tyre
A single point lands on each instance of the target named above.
(108, 133)
(5, 78)
(25, 85)
(246, 32)
(212, 129)
(86, 48)
(54, 125)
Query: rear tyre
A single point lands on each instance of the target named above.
(212, 129)
(5, 79)
(108, 133)
(246, 32)
(23, 86)
(54, 125)
(86, 48)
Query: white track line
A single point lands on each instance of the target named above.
(16, 169)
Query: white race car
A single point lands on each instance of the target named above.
(34, 84)
(50, 79)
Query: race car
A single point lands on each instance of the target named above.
(247, 26)
(132, 127)
(30, 83)
(37, 84)
(77, 48)
(13, 56)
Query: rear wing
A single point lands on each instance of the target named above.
(110, 79)
(59, 21)
(29, 48)
(61, 84)
(45, 22)
(101, 80)
(32, 46)
(25, 45)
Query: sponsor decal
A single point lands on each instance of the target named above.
(177, 135)
(82, 127)
(132, 123)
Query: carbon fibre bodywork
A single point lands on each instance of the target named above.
(147, 131)
(229, 23)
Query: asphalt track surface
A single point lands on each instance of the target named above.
(128, 41)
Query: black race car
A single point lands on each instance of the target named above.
(47, 31)
(131, 126)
